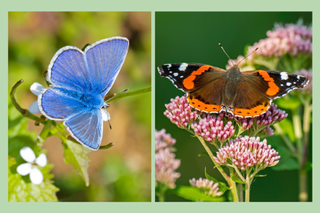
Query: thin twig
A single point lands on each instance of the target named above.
(24, 112)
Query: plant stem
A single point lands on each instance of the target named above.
(231, 183)
(247, 191)
(44, 133)
(240, 191)
(24, 112)
(161, 193)
(296, 119)
(303, 194)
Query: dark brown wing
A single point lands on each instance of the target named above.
(258, 88)
(190, 77)
(209, 97)
(249, 101)
(274, 84)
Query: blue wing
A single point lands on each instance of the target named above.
(68, 69)
(57, 105)
(93, 70)
(86, 127)
(104, 59)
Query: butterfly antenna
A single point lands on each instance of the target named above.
(85, 46)
(247, 55)
(114, 95)
(225, 52)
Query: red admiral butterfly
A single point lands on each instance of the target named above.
(243, 94)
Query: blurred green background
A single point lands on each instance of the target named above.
(122, 173)
(193, 37)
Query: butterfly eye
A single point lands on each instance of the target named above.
(105, 105)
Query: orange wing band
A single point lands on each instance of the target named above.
(273, 88)
(203, 106)
(188, 82)
(251, 112)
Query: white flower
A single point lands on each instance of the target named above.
(36, 89)
(28, 155)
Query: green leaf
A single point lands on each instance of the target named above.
(286, 162)
(237, 179)
(222, 186)
(260, 175)
(208, 176)
(20, 188)
(230, 196)
(287, 128)
(108, 146)
(77, 155)
(308, 166)
(17, 123)
(203, 154)
(114, 97)
(194, 194)
(291, 103)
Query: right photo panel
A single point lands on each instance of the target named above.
(233, 106)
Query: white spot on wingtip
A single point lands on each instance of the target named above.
(183, 67)
(175, 74)
(288, 84)
(284, 76)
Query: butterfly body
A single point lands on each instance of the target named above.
(243, 94)
(79, 81)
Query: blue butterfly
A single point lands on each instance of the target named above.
(79, 81)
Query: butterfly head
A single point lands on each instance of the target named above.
(105, 105)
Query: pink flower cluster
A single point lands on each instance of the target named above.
(271, 116)
(165, 162)
(245, 152)
(308, 75)
(266, 132)
(212, 128)
(208, 186)
(180, 112)
(163, 140)
(288, 39)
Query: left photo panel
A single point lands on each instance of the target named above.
(79, 106)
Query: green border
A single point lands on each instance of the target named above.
(147, 5)
(153, 92)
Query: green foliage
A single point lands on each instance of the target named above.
(194, 194)
(203, 154)
(77, 155)
(222, 186)
(237, 179)
(287, 128)
(20, 189)
(287, 161)
(291, 103)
